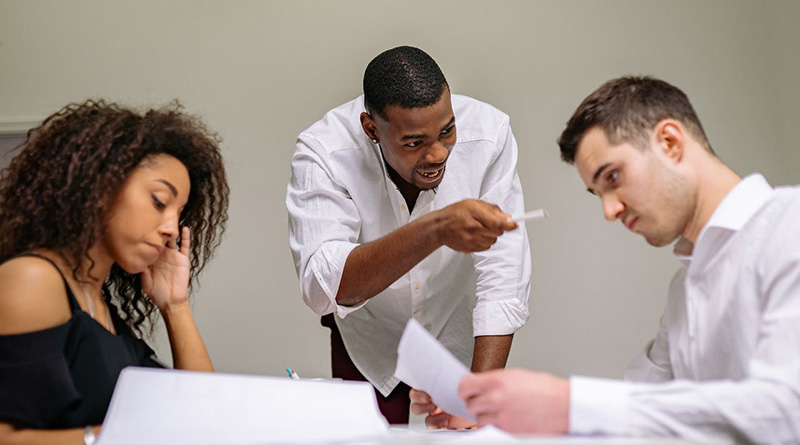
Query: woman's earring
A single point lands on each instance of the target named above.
(374, 141)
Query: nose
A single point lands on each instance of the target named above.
(612, 206)
(169, 226)
(437, 153)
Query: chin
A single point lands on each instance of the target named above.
(428, 186)
(659, 241)
(133, 267)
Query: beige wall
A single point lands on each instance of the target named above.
(261, 71)
(784, 19)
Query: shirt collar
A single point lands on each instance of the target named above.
(741, 203)
(738, 206)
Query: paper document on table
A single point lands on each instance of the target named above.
(485, 435)
(157, 406)
(424, 364)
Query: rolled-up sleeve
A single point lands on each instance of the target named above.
(504, 271)
(324, 225)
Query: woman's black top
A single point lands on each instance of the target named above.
(63, 377)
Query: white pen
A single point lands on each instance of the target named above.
(533, 214)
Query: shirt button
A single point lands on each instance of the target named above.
(416, 311)
(416, 286)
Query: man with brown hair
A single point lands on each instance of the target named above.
(726, 359)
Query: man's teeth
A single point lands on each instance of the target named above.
(428, 174)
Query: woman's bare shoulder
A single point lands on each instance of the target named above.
(32, 296)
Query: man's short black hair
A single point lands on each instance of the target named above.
(403, 76)
(627, 108)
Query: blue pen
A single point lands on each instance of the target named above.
(292, 374)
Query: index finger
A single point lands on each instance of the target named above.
(491, 217)
(510, 224)
(420, 397)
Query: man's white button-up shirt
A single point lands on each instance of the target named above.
(726, 360)
(340, 196)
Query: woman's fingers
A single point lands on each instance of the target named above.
(185, 240)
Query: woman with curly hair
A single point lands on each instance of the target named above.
(96, 216)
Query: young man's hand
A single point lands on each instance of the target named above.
(471, 225)
(518, 401)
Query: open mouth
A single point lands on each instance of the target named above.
(429, 176)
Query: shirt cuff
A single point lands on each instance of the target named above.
(502, 317)
(598, 406)
(328, 272)
(342, 311)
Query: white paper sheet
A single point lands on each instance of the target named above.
(424, 364)
(154, 406)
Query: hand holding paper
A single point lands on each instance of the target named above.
(424, 364)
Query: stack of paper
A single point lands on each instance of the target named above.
(154, 406)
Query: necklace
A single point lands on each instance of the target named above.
(90, 305)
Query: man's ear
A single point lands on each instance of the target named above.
(369, 126)
(671, 139)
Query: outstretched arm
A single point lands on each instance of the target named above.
(466, 226)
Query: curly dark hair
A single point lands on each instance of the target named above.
(57, 191)
(404, 76)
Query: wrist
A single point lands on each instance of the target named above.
(171, 310)
(90, 434)
(432, 228)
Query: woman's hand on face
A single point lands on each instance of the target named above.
(166, 281)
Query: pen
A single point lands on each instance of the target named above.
(533, 214)
(292, 374)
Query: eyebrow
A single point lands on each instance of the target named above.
(597, 174)
(169, 184)
(412, 136)
(422, 136)
(449, 123)
(600, 171)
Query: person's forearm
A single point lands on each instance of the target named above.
(733, 410)
(372, 267)
(491, 352)
(11, 436)
(188, 350)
